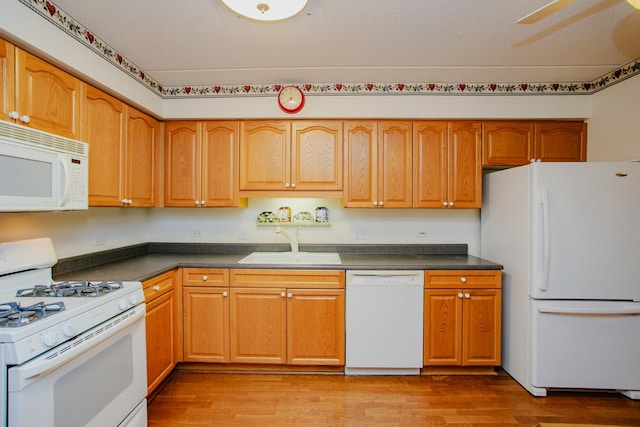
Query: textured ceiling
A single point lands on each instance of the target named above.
(200, 42)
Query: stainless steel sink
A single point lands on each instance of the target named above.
(311, 258)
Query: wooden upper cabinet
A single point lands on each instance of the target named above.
(103, 128)
(291, 156)
(141, 153)
(378, 164)
(47, 95)
(561, 141)
(447, 164)
(7, 79)
(182, 165)
(518, 142)
(507, 143)
(201, 163)
(122, 151)
(316, 155)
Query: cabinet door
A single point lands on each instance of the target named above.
(315, 327)
(160, 330)
(561, 141)
(360, 164)
(430, 164)
(220, 162)
(103, 128)
(442, 327)
(143, 135)
(507, 143)
(482, 327)
(265, 155)
(182, 164)
(316, 154)
(206, 324)
(395, 188)
(48, 95)
(258, 325)
(7, 81)
(465, 167)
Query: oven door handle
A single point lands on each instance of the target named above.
(22, 376)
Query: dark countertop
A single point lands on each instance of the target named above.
(142, 262)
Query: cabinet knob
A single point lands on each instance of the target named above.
(156, 288)
(381, 203)
(463, 279)
(375, 203)
(293, 185)
(14, 115)
(289, 295)
(203, 202)
(197, 202)
(205, 277)
(287, 185)
(460, 295)
(445, 204)
(225, 293)
(283, 294)
(467, 296)
(450, 204)
(25, 119)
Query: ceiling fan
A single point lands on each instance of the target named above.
(555, 6)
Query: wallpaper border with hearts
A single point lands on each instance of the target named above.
(65, 22)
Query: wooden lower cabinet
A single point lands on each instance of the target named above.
(205, 299)
(462, 318)
(161, 328)
(299, 322)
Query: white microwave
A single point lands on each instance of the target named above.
(40, 171)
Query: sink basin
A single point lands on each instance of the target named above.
(313, 258)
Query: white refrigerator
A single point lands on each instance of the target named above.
(568, 235)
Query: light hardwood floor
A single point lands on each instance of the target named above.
(216, 399)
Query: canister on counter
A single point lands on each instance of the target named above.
(284, 214)
(322, 214)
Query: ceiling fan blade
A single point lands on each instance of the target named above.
(544, 11)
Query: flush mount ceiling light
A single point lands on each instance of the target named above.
(634, 3)
(266, 10)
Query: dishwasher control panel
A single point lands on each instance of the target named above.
(387, 278)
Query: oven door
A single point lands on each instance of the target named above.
(97, 379)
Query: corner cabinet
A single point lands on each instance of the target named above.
(447, 164)
(377, 164)
(37, 94)
(201, 164)
(518, 142)
(123, 145)
(293, 317)
(205, 297)
(161, 328)
(462, 318)
(297, 159)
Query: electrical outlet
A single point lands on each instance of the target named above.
(361, 234)
(242, 235)
(100, 241)
(423, 235)
(196, 234)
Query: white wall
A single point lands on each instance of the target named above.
(613, 130)
(614, 126)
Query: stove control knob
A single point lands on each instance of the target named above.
(122, 304)
(133, 299)
(49, 339)
(68, 330)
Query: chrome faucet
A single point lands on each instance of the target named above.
(293, 240)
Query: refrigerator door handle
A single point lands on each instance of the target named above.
(590, 310)
(546, 227)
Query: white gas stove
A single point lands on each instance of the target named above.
(57, 324)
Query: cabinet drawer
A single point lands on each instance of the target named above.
(302, 279)
(157, 286)
(205, 277)
(447, 279)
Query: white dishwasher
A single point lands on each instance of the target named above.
(384, 322)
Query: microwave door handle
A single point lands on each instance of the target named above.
(67, 181)
(625, 310)
(546, 229)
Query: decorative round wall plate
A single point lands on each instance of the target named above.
(291, 99)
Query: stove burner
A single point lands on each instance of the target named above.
(12, 314)
(70, 289)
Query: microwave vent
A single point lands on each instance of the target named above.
(39, 139)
